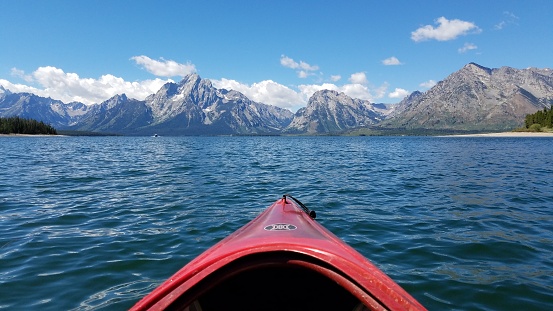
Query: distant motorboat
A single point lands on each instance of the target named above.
(155, 135)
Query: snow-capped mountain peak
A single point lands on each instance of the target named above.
(3, 91)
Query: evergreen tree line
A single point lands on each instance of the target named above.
(542, 117)
(17, 125)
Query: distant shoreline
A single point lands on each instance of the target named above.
(505, 134)
(29, 135)
(501, 134)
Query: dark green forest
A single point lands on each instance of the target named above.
(540, 119)
(17, 125)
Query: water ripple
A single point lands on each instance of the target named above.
(97, 222)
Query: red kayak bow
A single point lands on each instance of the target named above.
(281, 260)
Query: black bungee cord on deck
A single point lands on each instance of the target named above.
(311, 214)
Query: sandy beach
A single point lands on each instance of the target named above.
(507, 134)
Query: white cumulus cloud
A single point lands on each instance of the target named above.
(467, 47)
(398, 93)
(391, 61)
(20, 88)
(356, 90)
(163, 67)
(302, 68)
(67, 87)
(267, 92)
(428, 84)
(358, 78)
(288, 62)
(446, 30)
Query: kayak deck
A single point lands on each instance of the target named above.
(281, 260)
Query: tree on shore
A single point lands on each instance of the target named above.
(17, 125)
(543, 118)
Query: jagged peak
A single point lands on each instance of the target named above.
(232, 94)
(169, 89)
(193, 82)
(474, 67)
(340, 96)
(168, 85)
(121, 97)
(413, 95)
(117, 98)
(322, 97)
(4, 91)
(327, 92)
(191, 78)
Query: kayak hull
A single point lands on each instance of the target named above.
(283, 259)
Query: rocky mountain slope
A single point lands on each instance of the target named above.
(118, 114)
(332, 112)
(194, 106)
(30, 106)
(477, 98)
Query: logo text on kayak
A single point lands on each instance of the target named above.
(280, 227)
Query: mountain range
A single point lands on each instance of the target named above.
(475, 98)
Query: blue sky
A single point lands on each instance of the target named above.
(276, 52)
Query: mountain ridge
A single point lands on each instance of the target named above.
(190, 107)
(477, 98)
(472, 98)
(330, 111)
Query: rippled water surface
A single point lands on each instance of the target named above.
(90, 223)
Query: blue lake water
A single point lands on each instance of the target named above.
(95, 223)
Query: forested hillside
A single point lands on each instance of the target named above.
(17, 125)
